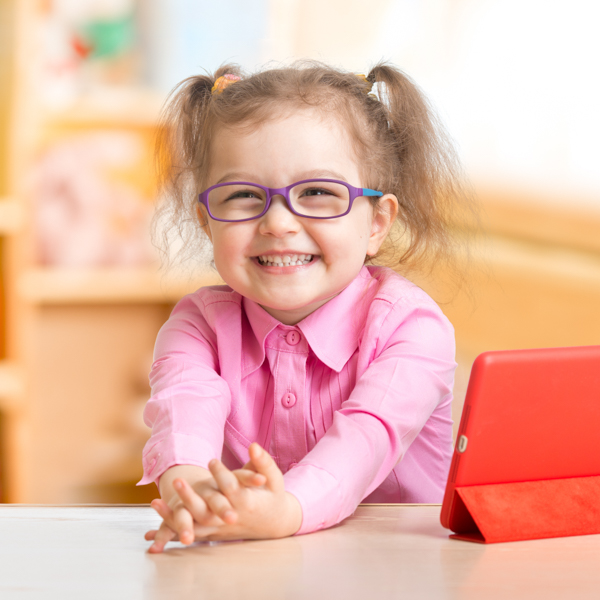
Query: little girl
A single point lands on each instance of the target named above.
(310, 382)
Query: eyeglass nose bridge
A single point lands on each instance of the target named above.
(284, 192)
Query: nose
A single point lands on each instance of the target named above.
(279, 220)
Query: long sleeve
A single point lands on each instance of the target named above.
(190, 400)
(404, 385)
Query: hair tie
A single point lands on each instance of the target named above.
(224, 82)
(369, 86)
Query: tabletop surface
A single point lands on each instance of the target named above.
(383, 551)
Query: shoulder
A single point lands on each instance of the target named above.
(208, 300)
(397, 292)
(204, 314)
(400, 308)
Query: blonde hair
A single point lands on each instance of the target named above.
(399, 142)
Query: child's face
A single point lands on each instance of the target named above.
(280, 152)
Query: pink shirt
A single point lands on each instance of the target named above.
(353, 402)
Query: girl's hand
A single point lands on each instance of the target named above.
(248, 509)
(178, 522)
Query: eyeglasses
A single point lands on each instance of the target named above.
(313, 198)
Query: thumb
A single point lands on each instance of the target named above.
(262, 462)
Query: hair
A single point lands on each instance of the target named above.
(399, 142)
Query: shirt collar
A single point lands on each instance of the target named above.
(253, 343)
(333, 331)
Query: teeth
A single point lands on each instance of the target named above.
(284, 260)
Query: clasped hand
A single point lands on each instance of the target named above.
(248, 503)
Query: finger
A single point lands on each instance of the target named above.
(163, 509)
(204, 533)
(249, 466)
(184, 525)
(164, 535)
(218, 503)
(265, 465)
(227, 482)
(196, 505)
(249, 478)
(150, 535)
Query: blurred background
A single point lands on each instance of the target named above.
(516, 82)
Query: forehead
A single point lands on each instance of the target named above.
(286, 145)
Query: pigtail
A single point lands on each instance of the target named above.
(181, 159)
(426, 176)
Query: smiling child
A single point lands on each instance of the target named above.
(312, 381)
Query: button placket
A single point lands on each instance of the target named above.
(289, 373)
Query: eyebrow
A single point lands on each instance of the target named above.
(318, 174)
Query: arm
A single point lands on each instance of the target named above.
(187, 412)
(406, 378)
(190, 401)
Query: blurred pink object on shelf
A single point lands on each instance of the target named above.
(88, 210)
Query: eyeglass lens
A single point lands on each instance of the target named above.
(236, 202)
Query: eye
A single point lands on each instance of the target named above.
(313, 191)
(242, 195)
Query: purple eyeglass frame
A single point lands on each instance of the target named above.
(285, 192)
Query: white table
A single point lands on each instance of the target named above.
(383, 551)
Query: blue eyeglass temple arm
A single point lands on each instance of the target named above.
(368, 192)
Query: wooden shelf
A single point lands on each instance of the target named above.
(11, 385)
(11, 216)
(49, 286)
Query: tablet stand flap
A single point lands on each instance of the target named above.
(505, 512)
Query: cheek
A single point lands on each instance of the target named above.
(346, 244)
(229, 245)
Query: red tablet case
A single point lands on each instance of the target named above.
(527, 458)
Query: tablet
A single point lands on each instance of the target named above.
(529, 415)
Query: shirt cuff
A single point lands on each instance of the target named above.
(319, 495)
(174, 449)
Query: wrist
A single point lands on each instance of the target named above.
(191, 473)
(294, 514)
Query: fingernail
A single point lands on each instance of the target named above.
(228, 515)
(178, 485)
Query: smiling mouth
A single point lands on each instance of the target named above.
(284, 260)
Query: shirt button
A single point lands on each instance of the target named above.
(289, 400)
(292, 338)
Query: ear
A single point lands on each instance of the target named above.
(203, 220)
(384, 215)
